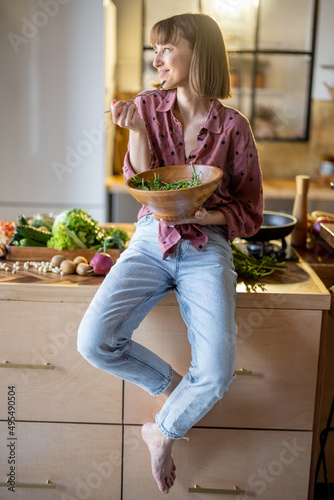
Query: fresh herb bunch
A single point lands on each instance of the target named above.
(254, 268)
(159, 185)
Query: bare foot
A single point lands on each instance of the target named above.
(160, 448)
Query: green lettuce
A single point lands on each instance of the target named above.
(75, 228)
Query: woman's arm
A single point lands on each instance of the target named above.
(202, 217)
(125, 114)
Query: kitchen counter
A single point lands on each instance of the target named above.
(286, 189)
(78, 428)
(272, 188)
(279, 195)
(299, 284)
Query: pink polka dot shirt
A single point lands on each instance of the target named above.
(225, 141)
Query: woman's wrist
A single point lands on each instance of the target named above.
(210, 217)
(140, 155)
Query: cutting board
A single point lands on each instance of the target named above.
(327, 233)
(44, 253)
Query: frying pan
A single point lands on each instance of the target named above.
(276, 225)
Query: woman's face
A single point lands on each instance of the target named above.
(172, 61)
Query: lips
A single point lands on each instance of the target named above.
(163, 74)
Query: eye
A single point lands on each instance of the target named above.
(166, 49)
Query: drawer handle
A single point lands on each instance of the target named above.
(47, 485)
(234, 491)
(243, 372)
(7, 364)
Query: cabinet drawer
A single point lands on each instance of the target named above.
(280, 349)
(264, 464)
(81, 461)
(35, 333)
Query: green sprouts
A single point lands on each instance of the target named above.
(158, 184)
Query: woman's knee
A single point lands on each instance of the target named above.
(218, 378)
(89, 344)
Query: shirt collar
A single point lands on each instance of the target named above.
(215, 118)
(167, 104)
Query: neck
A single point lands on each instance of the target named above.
(191, 105)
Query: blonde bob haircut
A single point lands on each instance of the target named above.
(209, 74)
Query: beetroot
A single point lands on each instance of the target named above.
(101, 263)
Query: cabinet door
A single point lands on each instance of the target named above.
(80, 461)
(36, 333)
(263, 464)
(279, 348)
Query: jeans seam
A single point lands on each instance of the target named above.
(130, 311)
(190, 330)
(149, 369)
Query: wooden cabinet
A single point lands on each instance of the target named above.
(260, 437)
(261, 464)
(58, 385)
(79, 461)
(61, 407)
(277, 364)
(79, 428)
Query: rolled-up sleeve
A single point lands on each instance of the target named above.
(240, 195)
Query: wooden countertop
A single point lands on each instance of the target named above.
(299, 287)
(272, 188)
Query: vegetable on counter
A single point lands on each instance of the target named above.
(33, 233)
(101, 263)
(253, 268)
(26, 235)
(75, 228)
(70, 230)
(7, 229)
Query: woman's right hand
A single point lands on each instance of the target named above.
(125, 114)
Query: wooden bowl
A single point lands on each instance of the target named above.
(176, 204)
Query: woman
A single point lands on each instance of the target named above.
(184, 122)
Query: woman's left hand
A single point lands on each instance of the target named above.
(198, 218)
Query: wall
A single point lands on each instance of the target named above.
(51, 101)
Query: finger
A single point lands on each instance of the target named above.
(200, 214)
(116, 110)
(131, 114)
(119, 113)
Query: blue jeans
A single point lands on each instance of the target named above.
(205, 286)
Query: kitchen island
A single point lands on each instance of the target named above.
(75, 430)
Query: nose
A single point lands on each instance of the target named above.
(157, 60)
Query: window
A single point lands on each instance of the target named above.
(271, 51)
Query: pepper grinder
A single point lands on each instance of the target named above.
(299, 233)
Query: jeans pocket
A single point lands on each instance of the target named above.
(145, 221)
